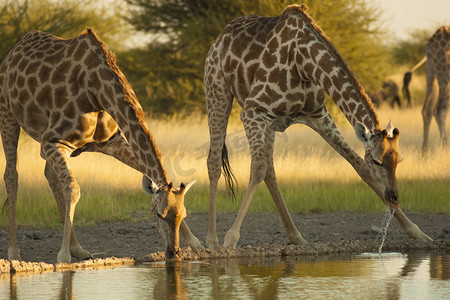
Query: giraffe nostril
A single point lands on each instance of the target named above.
(393, 198)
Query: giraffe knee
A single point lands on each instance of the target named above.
(73, 193)
(258, 170)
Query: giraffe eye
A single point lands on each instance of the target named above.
(378, 163)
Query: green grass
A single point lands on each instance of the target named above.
(37, 208)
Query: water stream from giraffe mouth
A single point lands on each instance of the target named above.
(389, 213)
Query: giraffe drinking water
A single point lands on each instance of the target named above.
(70, 96)
(277, 69)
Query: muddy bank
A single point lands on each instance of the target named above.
(262, 235)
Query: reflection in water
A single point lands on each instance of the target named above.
(398, 276)
(169, 284)
(66, 291)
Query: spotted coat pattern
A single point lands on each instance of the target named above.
(437, 68)
(277, 69)
(70, 96)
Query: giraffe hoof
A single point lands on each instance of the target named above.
(87, 258)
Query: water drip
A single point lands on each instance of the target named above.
(386, 221)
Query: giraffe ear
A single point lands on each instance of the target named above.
(149, 185)
(362, 133)
(390, 129)
(184, 187)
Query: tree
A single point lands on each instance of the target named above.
(410, 51)
(171, 73)
(63, 18)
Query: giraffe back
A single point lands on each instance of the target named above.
(282, 65)
(46, 82)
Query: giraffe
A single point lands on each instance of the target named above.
(277, 69)
(70, 96)
(437, 58)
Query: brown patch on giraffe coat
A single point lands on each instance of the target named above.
(272, 94)
(24, 96)
(60, 96)
(269, 60)
(239, 44)
(278, 76)
(32, 84)
(254, 51)
(106, 74)
(273, 45)
(84, 105)
(32, 67)
(44, 73)
(92, 60)
(94, 81)
(81, 50)
(63, 127)
(284, 55)
(70, 111)
(43, 96)
(20, 81)
(327, 63)
(60, 73)
(23, 64)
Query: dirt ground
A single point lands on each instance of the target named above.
(341, 231)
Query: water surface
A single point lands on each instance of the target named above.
(366, 276)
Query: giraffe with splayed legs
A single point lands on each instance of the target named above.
(70, 96)
(437, 59)
(278, 69)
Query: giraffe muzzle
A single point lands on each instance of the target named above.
(391, 199)
(173, 254)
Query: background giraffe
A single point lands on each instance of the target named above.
(277, 69)
(437, 58)
(70, 96)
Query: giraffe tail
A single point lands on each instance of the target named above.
(405, 89)
(407, 79)
(230, 179)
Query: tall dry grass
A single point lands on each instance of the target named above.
(312, 176)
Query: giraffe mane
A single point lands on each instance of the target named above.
(128, 92)
(301, 9)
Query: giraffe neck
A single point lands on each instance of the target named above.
(113, 94)
(324, 66)
(127, 112)
(134, 127)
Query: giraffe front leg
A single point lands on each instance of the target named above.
(412, 230)
(189, 238)
(271, 182)
(75, 248)
(56, 156)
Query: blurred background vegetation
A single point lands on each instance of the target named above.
(162, 44)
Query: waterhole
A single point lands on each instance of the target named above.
(414, 275)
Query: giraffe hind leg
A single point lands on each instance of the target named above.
(10, 131)
(427, 109)
(440, 113)
(256, 130)
(218, 106)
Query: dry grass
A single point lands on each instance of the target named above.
(307, 169)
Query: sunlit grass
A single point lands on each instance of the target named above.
(312, 176)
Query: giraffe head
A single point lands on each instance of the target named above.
(169, 208)
(382, 156)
